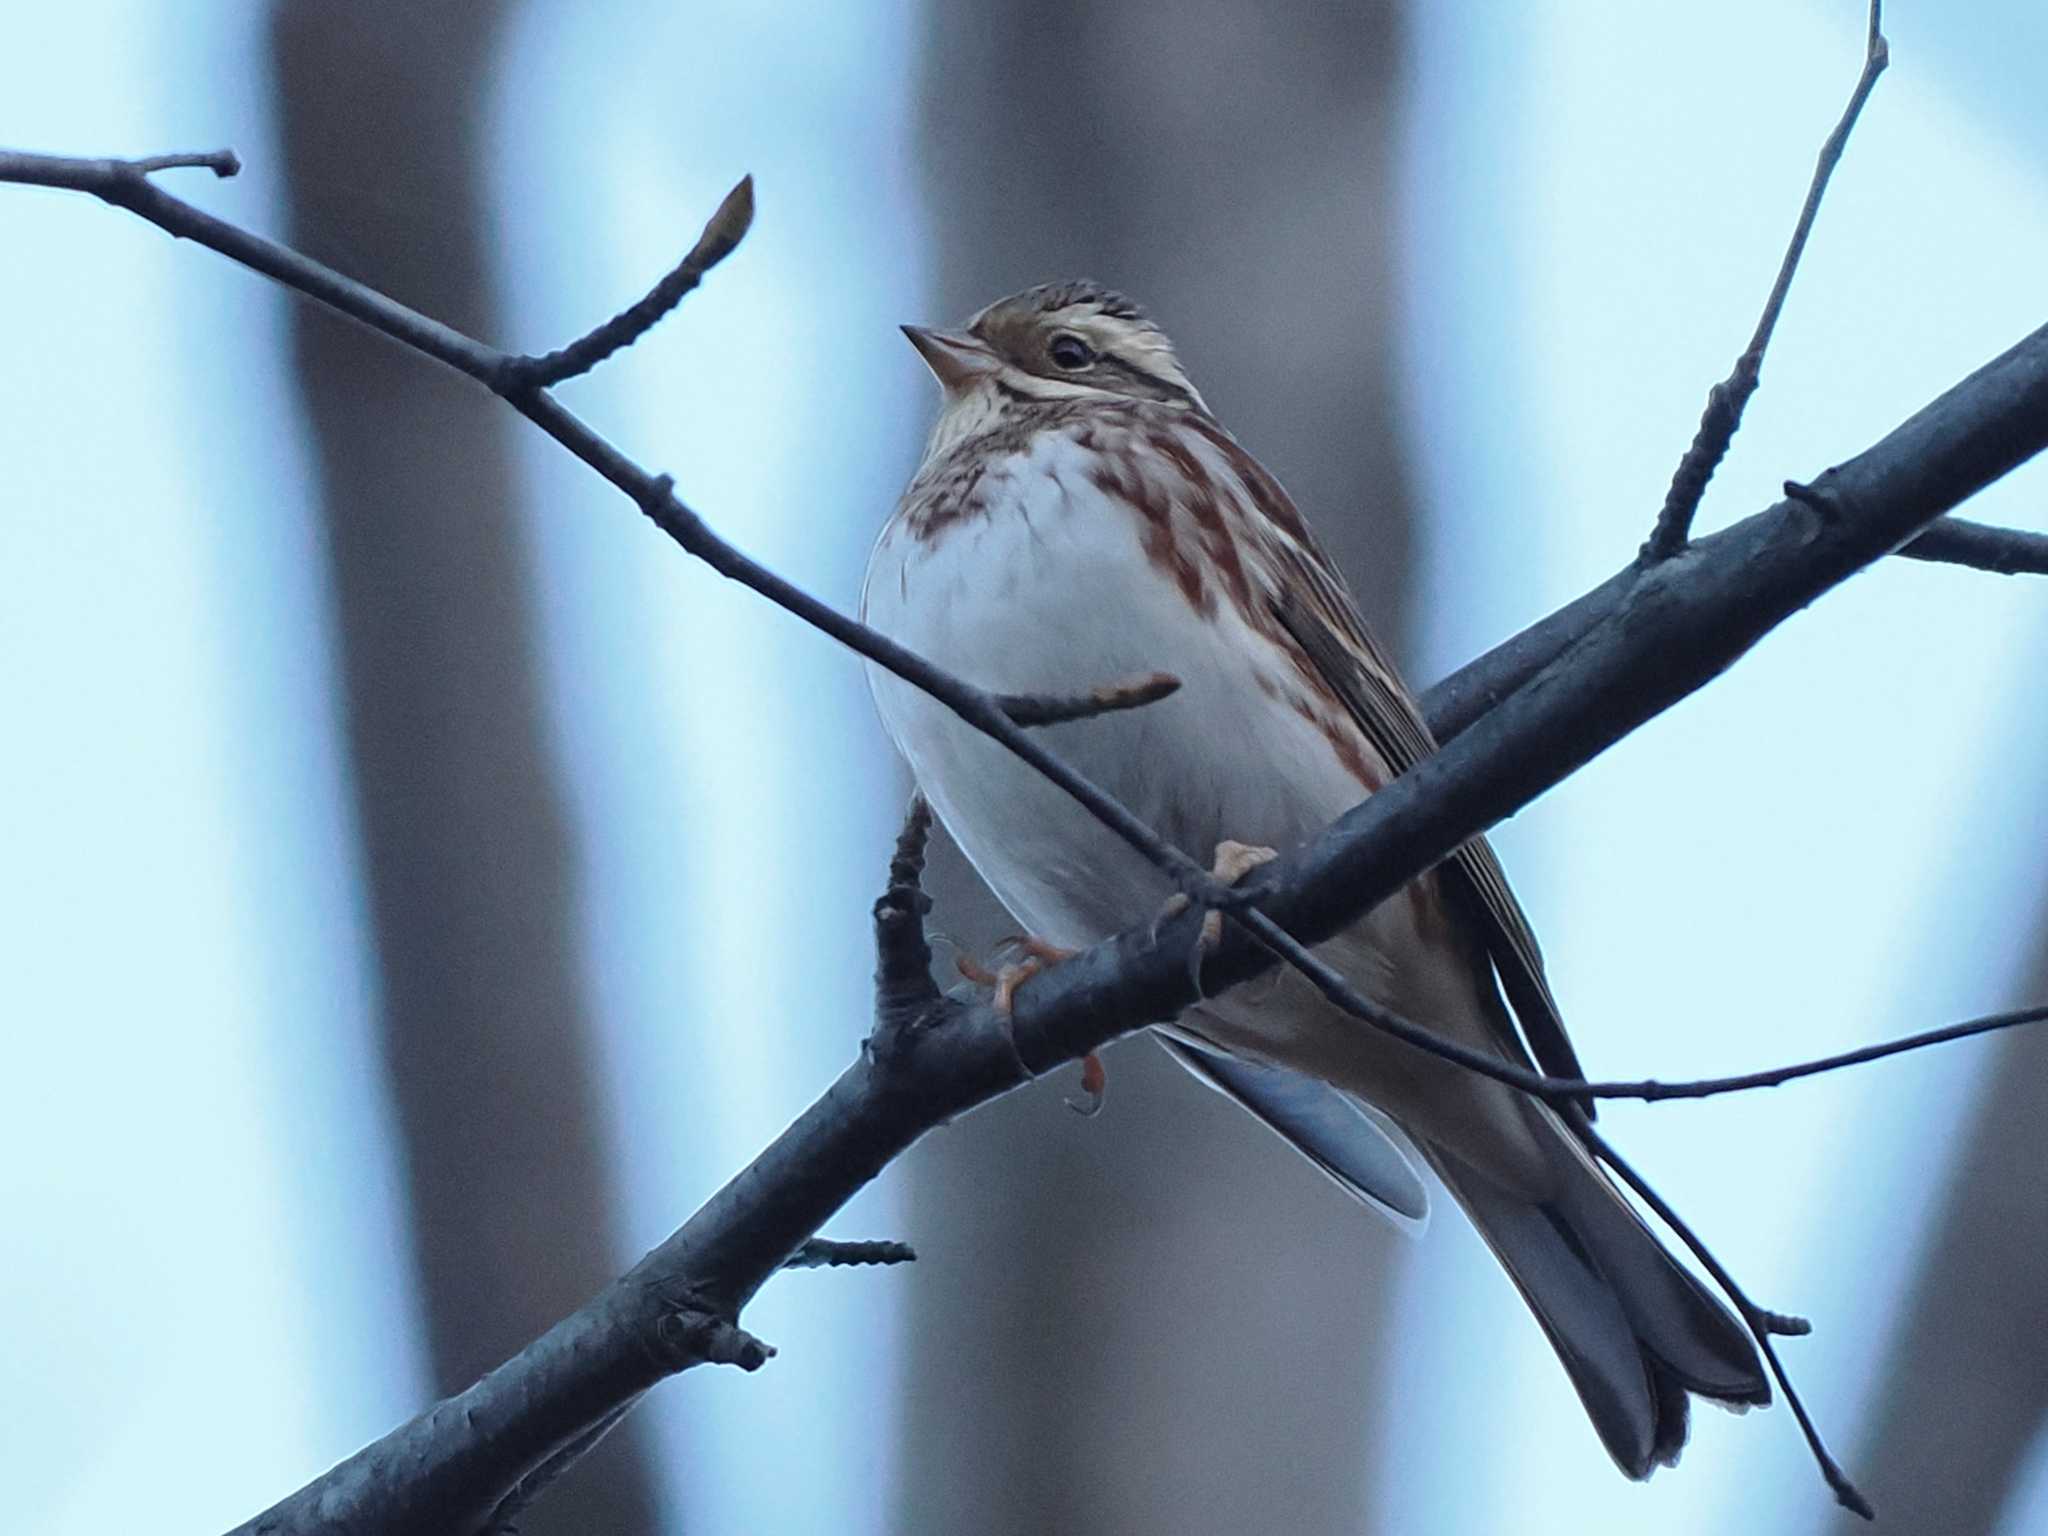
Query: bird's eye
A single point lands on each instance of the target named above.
(1071, 352)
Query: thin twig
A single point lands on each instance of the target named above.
(1564, 1090)
(1661, 638)
(1726, 400)
(1763, 1324)
(504, 1519)
(1981, 547)
(120, 183)
(1057, 708)
(722, 235)
(104, 178)
(827, 1253)
(222, 162)
(904, 989)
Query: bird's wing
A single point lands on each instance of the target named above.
(1316, 612)
(1363, 1152)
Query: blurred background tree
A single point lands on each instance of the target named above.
(1963, 1381)
(424, 886)
(472, 883)
(1128, 1324)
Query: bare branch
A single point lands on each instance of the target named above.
(825, 1253)
(222, 162)
(1056, 708)
(1726, 400)
(1763, 1324)
(1458, 700)
(722, 235)
(505, 376)
(903, 959)
(2002, 551)
(111, 180)
(1621, 655)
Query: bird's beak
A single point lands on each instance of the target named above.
(955, 360)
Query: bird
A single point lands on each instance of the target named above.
(1080, 516)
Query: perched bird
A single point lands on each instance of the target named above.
(1080, 517)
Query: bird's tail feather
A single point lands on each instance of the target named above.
(1635, 1330)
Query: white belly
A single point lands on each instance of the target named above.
(1053, 592)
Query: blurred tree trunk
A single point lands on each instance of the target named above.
(383, 107)
(1162, 1319)
(1964, 1383)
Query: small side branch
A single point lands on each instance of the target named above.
(722, 235)
(1727, 400)
(108, 179)
(1057, 708)
(825, 1253)
(1981, 547)
(904, 988)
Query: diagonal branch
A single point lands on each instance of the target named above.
(1726, 400)
(1565, 691)
(1678, 626)
(126, 184)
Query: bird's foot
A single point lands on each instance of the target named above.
(1008, 976)
(1037, 955)
(1233, 861)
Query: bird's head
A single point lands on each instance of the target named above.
(1055, 342)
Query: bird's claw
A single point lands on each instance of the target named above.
(1094, 1088)
(1037, 955)
(1009, 976)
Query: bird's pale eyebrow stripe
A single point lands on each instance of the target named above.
(1138, 375)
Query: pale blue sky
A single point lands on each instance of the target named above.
(1597, 196)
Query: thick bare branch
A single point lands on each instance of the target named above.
(1565, 691)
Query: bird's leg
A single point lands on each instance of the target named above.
(1037, 954)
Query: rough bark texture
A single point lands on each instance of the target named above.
(1965, 1392)
(1161, 1319)
(382, 107)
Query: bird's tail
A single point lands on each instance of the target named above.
(1635, 1330)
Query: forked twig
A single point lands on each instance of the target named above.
(743, 1235)
(1726, 400)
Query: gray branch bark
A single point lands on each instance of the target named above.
(1671, 631)
(1579, 682)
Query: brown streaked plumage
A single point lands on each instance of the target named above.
(1079, 516)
